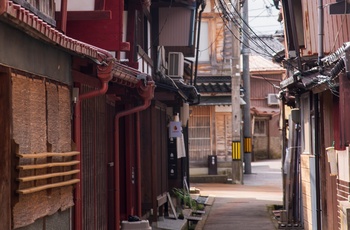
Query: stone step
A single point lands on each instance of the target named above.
(208, 178)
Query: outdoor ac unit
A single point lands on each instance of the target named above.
(175, 65)
(272, 99)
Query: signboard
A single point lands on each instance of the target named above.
(175, 129)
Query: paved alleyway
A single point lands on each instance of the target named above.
(244, 207)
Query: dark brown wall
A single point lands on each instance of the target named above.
(329, 190)
(344, 111)
(94, 161)
(5, 150)
(153, 154)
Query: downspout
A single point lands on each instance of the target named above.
(316, 110)
(138, 164)
(104, 74)
(203, 4)
(147, 94)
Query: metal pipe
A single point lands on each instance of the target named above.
(147, 93)
(294, 33)
(247, 129)
(317, 161)
(316, 110)
(64, 7)
(203, 4)
(320, 30)
(105, 75)
(138, 164)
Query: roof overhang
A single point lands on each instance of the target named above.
(219, 100)
(36, 27)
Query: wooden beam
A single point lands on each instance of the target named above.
(44, 155)
(100, 4)
(47, 186)
(5, 150)
(85, 79)
(86, 15)
(48, 165)
(46, 176)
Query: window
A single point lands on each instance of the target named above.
(260, 127)
(199, 133)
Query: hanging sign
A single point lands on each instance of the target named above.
(175, 129)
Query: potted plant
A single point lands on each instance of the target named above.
(185, 198)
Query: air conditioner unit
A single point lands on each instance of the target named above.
(272, 99)
(175, 65)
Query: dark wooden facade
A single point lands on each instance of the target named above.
(154, 157)
(93, 89)
(5, 146)
(318, 102)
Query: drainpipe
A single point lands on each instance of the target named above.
(317, 120)
(138, 164)
(3, 6)
(203, 4)
(147, 94)
(104, 73)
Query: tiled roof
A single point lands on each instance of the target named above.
(214, 84)
(214, 87)
(261, 111)
(259, 63)
(122, 74)
(188, 92)
(266, 47)
(217, 79)
(265, 44)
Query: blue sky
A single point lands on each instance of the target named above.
(263, 17)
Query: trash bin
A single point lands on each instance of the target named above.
(212, 165)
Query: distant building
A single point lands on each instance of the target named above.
(210, 124)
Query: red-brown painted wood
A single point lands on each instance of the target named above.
(5, 149)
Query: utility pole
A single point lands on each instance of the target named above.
(247, 130)
(237, 161)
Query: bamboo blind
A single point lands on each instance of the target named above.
(61, 166)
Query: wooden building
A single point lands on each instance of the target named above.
(85, 111)
(210, 127)
(316, 88)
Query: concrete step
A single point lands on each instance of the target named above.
(208, 178)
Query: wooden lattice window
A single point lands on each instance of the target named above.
(199, 133)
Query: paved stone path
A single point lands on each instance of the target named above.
(244, 207)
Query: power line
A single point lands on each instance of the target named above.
(261, 39)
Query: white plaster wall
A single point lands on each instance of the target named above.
(77, 5)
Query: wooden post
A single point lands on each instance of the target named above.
(5, 150)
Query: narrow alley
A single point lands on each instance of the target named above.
(245, 207)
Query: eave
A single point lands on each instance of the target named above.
(24, 19)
